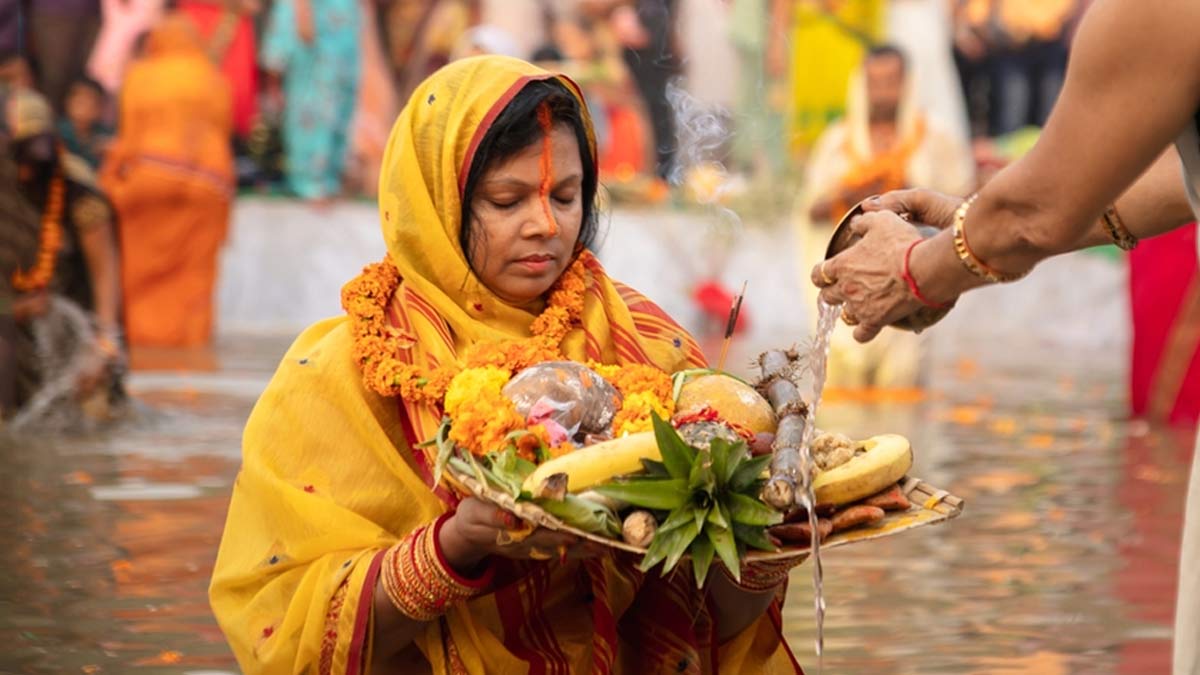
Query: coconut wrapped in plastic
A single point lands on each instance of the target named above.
(573, 402)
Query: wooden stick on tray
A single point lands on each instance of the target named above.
(786, 466)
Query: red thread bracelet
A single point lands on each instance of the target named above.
(912, 283)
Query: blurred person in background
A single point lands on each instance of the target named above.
(311, 54)
(645, 31)
(61, 35)
(169, 174)
(15, 72)
(226, 31)
(1029, 60)
(374, 110)
(125, 24)
(421, 35)
(1164, 288)
(922, 29)
(75, 259)
(829, 39)
(19, 232)
(1012, 57)
(885, 142)
(82, 128)
(593, 57)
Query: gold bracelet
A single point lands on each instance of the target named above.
(1121, 236)
(968, 258)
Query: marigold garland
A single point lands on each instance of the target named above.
(470, 391)
(39, 276)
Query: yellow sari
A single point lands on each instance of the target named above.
(829, 39)
(330, 477)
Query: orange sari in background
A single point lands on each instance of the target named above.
(169, 175)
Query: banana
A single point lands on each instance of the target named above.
(732, 399)
(596, 464)
(884, 461)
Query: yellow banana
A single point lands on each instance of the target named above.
(599, 463)
(883, 461)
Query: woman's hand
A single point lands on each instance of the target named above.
(922, 206)
(479, 529)
(867, 278)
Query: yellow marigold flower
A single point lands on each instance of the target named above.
(634, 415)
(474, 383)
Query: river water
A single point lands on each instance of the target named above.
(1063, 562)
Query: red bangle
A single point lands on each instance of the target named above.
(912, 283)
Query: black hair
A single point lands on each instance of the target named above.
(888, 50)
(515, 129)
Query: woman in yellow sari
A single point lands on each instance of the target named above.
(486, 201)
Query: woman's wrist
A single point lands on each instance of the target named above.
(463, 557)
(936, 269)
(419, 580)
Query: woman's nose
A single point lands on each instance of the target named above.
(540, 220)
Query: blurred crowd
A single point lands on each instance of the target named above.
(314, 85)
(131, 125)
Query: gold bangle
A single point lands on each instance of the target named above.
(1121, 236)
(419, 582)
(968, 258)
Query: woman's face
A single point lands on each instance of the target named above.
(527, 211)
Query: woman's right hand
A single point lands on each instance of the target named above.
(924, 206)
(479, 529)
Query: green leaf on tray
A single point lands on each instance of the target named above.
(677, 455)
(647, 493)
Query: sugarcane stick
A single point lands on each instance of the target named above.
(787, 470)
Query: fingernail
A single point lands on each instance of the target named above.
(873, 200)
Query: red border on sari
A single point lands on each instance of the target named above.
(362, 619)
(498, 107)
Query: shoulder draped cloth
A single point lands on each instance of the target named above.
(330, 478)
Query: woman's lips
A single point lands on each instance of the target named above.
(536, 263)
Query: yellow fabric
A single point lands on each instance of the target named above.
(827, 45)
(329, 480)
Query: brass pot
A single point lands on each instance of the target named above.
(843, 238)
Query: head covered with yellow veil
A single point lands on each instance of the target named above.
(333, 483)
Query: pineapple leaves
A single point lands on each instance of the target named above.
(702, 555)
(711, 499)
(677, 455)
(726, 458)
(667, 495)
(750, 511)
(748, 472)
(654, 469)
(723, 542)
(754, 537)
